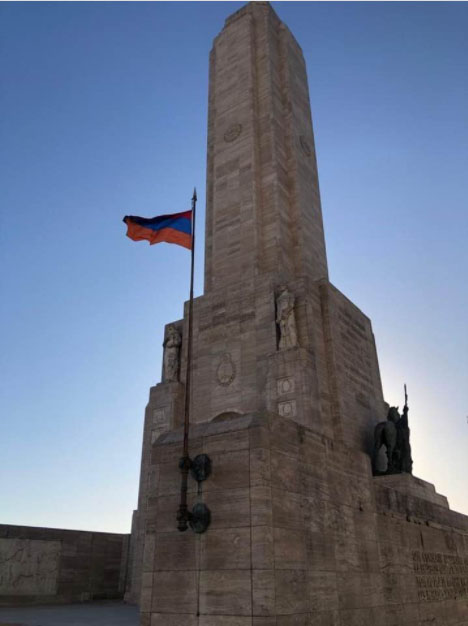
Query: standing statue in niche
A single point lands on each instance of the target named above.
(171, 361)
(285, 319)
(394, 434)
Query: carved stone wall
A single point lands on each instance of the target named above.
(353, 369)
(301, 534)
(423, 552)
(28, 566)
(47, 565)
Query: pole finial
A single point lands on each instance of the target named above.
(194, 197)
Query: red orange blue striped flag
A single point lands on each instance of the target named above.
(175, 228)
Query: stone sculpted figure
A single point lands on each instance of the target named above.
(394, 435)
(285, 319)
(171, 360)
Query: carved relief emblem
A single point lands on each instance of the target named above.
(285, 385)
(305, 146)
(232, 132)
(287, 409)
(226, 371)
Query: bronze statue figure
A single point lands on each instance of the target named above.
(404, 460)
(385, 434)
(394, 434)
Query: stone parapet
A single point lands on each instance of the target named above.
(52, 565)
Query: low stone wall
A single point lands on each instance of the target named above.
(48, 565)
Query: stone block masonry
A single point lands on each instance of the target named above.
(48, 565)
(286, 393)
(301, 534)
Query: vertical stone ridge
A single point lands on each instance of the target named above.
(259, 25)
(257, 187)
(330, 364)
(292, 195)
(210, 172)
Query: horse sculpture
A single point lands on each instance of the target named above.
(386, 434)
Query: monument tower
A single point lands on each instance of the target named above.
(286, 395)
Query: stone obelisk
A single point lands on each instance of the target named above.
(286, 390)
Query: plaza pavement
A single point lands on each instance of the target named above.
(92, 614)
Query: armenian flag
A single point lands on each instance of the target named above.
(175, 228)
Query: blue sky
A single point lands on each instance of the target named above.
(103, 113)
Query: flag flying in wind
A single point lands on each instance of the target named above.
(175, 228)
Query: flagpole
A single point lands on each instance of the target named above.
(184, 464)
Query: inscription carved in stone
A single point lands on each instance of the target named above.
(232, 132)
(440, 576)
(226, 371)
(28, 566)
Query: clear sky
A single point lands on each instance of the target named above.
(103, 113)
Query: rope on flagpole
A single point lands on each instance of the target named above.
(200, 467)
(185, 463)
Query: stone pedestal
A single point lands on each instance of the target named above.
(408, 485)
(301, 533)
(423, 548)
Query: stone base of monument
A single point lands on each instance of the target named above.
(300, 534)
(163, 412)
(410, 486)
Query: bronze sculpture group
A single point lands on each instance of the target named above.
(394, 434)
